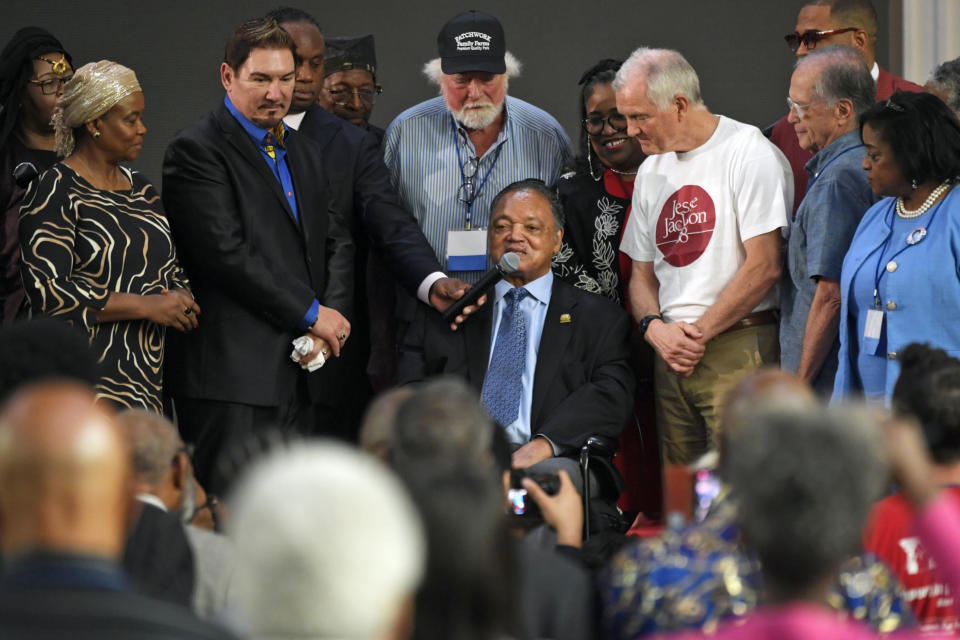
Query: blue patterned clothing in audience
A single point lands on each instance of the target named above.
(697, 576)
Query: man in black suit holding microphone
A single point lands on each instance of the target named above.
(268, 253)
(387, 237)
(551, 362)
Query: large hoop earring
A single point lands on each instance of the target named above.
(596, 178)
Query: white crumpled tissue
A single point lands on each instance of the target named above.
(302, 346)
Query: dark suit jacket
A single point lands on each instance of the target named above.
(583, 383)
(158, 557)
(254, 270)
(52, 596)
(93, 614)
(361, 186)
(377, 133)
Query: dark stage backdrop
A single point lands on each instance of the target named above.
(176, 47)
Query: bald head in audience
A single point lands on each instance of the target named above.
(65, 478)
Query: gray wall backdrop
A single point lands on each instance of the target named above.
(176, 47)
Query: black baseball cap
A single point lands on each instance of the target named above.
(472, 41)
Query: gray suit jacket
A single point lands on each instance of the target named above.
(213, 560)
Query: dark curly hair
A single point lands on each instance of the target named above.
(928, 389)
(603, 72)
(923, 134)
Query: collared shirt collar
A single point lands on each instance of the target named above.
(294, 120)
(875, 71)
(831, 151)
(258, 134)
(540, 289)
(151, 499)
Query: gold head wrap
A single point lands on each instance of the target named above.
(95, 88)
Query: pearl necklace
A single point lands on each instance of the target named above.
(903, 212)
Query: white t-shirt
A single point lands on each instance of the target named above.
(692, 212)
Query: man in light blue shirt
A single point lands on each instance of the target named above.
(449, 156)
(829, 88)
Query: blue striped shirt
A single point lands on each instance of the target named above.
(421, 153)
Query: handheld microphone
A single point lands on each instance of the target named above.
(508, 264)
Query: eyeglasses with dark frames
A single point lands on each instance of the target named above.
(53, 85)
(342, 97)
(811, 37)
(467, 191)
(594, 124)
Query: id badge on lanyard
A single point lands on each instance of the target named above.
(466, 250)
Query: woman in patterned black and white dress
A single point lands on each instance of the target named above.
(596, 195)
(95, 245)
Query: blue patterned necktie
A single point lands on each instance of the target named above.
(502, 386)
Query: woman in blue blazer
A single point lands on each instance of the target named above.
(900, 281)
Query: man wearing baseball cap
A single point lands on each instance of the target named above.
(449, 156)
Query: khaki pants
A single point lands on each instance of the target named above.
(688, 409)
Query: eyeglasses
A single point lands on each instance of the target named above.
(811, 37)
(467, 191)
(342, 97)
(800, 108)
(594, 124)
(212, 503)
(53, 85)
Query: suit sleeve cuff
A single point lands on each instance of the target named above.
(311, 316)
(553, 445)
(423, 291)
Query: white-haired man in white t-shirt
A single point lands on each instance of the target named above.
(704, 236)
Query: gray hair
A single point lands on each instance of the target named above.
(376, 430)
(434, 73)
(843, 74)
(946, 79)
(666, 72)
(805, 479)
(154, 442)
(328, 545)
(442, 422)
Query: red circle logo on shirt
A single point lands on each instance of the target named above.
(685, 225)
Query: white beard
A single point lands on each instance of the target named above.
(478, 115)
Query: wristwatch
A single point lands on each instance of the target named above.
(644, 323)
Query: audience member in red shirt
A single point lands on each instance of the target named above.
(929, 390)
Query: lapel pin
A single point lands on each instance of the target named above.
(564, 318)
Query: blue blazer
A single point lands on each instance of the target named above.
(925, 288)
